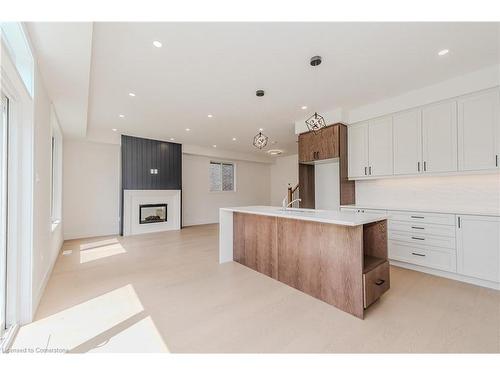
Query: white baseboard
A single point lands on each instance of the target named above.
(200, 223)
(45, 280)
(8, 339)
(77, 236)
(448, 275)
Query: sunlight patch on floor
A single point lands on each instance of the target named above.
(100, 252)
(93, 244)
(141, 337)
(81, 323)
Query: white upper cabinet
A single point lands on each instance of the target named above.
(478, 131)
(462, 134)
(439, 137)
(407, 136)
(478, 247)
(357, 136)
(380, 147)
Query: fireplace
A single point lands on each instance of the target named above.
(152, 213)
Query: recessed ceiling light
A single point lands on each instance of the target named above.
(121, 116)
(234, 139)
(172, 139)
(114, 129)
(187, 129)
(304, 107)
(131, 94)
(214, 146)
(210, 116)
(443, 52)
(261, 130)
(275, 152)
(157, 44)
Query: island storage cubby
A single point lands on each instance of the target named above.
(376, 274)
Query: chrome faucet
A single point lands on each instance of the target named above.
(285, 206)
(292, 202)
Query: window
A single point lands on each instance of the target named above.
(52, 177)
(13, 35)
(221, 176)
(56, 172)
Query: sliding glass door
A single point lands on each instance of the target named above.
(4, 118)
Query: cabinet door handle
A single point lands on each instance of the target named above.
(425, 166)
(418, 228)
(418, 166)
(370, 170)
(496, 160)
(379, 282)
(365, 171)
(459, 222)
(417, 217)
(419, 255)
(418, 238)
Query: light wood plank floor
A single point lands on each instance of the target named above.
(167, 292)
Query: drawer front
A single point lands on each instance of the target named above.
(422, 228)
(423, 239)
(344, 209)
(377, 212)
(364, 210)
(423, 217)
(375, 283)
(426, 256)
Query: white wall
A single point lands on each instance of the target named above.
(474, 192)
(283, 172)
(91, 188)
(327, 186)
(200, 206)
(475, 81)
(47, 241)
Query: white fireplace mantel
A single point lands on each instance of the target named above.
(132, 199)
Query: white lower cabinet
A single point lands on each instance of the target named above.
(466, 247)
(427, 256)
(424, 239)
(478, 247)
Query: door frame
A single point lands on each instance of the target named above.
(20, 198)
(4, 103)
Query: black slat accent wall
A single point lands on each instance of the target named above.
(140, 155)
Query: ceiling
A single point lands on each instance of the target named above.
(215, 68)
(64, 54)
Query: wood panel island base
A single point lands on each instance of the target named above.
(337, 257)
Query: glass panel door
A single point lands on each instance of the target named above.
(3, 209)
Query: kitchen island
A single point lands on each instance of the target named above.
(338, 257)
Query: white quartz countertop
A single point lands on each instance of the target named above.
(322, 216)
(493, 211)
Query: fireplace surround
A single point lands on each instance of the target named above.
(162, 208)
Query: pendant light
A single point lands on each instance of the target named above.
(316, 122)
(260, 140)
